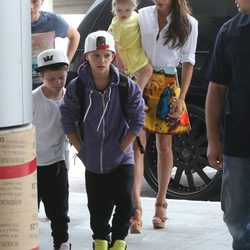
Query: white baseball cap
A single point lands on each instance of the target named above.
(99, 40)
(51, 57)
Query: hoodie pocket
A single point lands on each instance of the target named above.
(113, 155)
(90, 156)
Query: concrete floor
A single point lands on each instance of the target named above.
(191, 225)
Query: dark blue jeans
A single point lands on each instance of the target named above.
(53, 191)
(235, 200)
(106, 192)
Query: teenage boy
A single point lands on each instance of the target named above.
(109, 131)
(52, 174)
(45, 27)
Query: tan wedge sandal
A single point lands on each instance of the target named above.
(160, 217)
(136, 222)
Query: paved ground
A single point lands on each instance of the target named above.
(191, 225)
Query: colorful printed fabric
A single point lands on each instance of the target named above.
(160, 94)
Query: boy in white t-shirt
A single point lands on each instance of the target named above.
(52, 174)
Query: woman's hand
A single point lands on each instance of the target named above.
(177, 109)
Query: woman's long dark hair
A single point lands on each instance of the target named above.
(180, 27)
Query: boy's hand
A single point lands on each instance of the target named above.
(74, 140)
(127, 140)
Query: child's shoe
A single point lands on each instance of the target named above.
(119, 245)
(100, 245)
(65, 246)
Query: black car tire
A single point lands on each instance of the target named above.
(192, 177)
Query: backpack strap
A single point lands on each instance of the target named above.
(80, 93)
(123, 91)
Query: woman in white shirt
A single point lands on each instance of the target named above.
(169, 37)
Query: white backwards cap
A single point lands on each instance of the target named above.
(99, 40)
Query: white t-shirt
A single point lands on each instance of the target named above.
(161, 55)
(51, 141)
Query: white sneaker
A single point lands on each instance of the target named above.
(65, 246)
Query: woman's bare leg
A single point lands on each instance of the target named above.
(164, 170)
(136, 222)
(139, 169)
(164, 165)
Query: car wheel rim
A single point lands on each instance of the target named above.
(192, 177)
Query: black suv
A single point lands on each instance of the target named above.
(192, 177)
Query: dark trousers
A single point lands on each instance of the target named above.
(53, 191)
(104, 192)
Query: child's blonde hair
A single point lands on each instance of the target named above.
(114, 2)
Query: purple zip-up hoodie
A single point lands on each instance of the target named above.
(104, 121)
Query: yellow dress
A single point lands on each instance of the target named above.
(127, 34)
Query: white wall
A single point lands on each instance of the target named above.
(48, 5)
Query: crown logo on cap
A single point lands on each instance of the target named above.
(48, 58)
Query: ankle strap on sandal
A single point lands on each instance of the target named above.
(138, 208)
(160, 204)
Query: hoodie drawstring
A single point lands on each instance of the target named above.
(90, 103)
(104, 111)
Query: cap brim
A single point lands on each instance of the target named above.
(38, 69)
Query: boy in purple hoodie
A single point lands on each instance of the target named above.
(109, 131)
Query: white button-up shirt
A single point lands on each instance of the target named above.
(161, 55)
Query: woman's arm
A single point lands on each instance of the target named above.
(186, 76)
(187, 72)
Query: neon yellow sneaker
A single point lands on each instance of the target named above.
(119, 245)
(100, 245)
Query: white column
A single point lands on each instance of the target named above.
(15, 63)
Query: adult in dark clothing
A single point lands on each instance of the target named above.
(229, 94)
